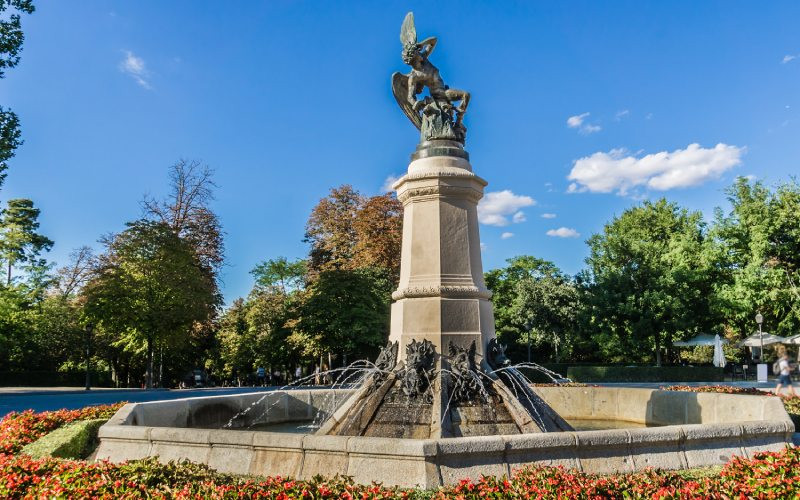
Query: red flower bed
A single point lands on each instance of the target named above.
(19, 429)
(766, 475)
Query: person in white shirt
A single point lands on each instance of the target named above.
(784, 375)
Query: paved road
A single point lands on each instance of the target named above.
(19, 400)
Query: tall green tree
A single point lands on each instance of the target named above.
(280, 275)
(150, 287)
(510, 326)
(236, 341)
(549, 305)
(757, 247)
(650, 281)
(20, 243)
(347, 311)
(11, 39)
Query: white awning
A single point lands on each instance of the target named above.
(699, 339)
(794, 339)
(755, 341)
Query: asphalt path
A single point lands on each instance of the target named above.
(45, 401)
(21, 399)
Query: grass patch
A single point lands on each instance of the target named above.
(74, 440)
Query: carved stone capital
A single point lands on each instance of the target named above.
(438, 191)
(446, 291)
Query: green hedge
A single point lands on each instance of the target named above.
(645, 374)
(74, 440)
(54, 379)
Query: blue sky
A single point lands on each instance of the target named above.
(579, 110)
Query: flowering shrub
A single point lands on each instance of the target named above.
(766, 475)
(19, 429)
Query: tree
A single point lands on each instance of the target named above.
(72, 277)
(187, 211)
(10, 139)
(150, 287)
(549, 303)
(379, 233)
(757, 249)
(347, 230)
(11, 39)
(19, 241)
(347, 311)
(280, 275)
(330, 230)
(504, 283)
(236, 341)
(649, 280)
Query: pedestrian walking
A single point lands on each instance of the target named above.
(785, 368)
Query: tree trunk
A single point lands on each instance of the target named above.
(161, 366)
(8, 279)
(148, 377)
(555, 343)
(658, 349)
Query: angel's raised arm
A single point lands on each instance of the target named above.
(428, 45)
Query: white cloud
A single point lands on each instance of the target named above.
(621, 114)
(507, 235)
(648, 116)
(387, 184)
(788, 58)
(563, 232)
(495, 207)
(134, 66)
(620, 171)
(483, 247)
(548, 216)
(519, 217)
(579, 122)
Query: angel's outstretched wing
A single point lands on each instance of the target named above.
(408, 32)
(400, 91)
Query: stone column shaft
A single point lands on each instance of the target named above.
(442, 296)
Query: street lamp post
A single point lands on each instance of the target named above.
(759, 320)
(89, 329)
(529, 327)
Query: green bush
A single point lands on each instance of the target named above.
(645, 374)
(74, 440)
(41, 378)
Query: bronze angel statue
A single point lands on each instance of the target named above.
(435, 115)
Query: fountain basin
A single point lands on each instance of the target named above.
(689, 430)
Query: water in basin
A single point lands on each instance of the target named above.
(588, 424)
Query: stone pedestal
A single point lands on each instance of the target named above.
(434, 379)
(441, 296)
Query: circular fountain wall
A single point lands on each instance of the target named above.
(687, 430)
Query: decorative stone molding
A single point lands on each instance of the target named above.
(446, 291)
(449, 172)
(439, 191)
